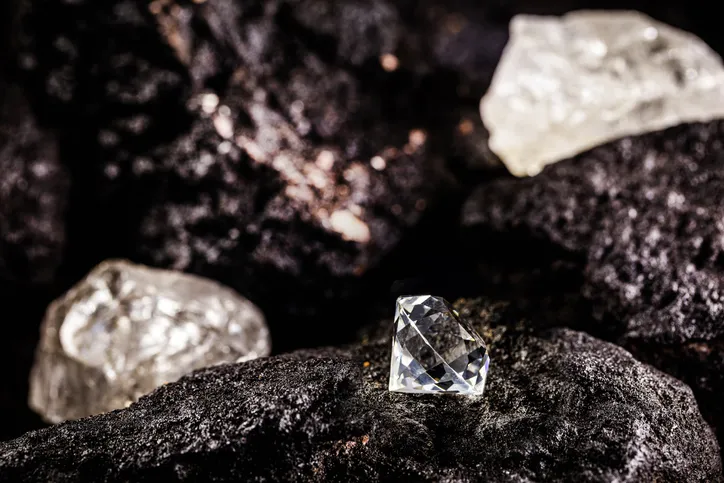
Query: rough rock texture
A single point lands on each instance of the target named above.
(18, 337)
(236, 188)
(198, 133)
(561, 406)
(267, 204)
(33, 194)
(276, 146)
(639, 223)
(121, 81)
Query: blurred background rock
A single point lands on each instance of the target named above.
(115, 110)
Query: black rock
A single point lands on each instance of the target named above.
(560, 406)
(638, 223)
(33, 194)
(156, 180)
(103, 76)
(34, 190)
(195, 131)
(22, 308)
(122, 79)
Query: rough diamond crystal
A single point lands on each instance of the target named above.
(433, 350)
(127, 329)
(567, 84)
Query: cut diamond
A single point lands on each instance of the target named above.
(433, 350)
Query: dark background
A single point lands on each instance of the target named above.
(432, 256)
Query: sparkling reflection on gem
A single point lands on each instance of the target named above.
(433, 350)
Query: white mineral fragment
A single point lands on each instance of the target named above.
(567, 84)
(126, 329)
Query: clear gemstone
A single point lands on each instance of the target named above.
(433, 350)
(126, 329)
(567, 84)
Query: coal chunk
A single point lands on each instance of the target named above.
(560, 405)
(283, 146)
(245, 196)
(33, 194)
(638, 221)
(24, 307)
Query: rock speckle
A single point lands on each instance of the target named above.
(237, 140)
(640, 218)
(33, 194)
(560, 405)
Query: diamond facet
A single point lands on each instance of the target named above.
(433, 350)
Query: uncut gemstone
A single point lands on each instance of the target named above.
(433, 350)
(567, 84)
(126, 329)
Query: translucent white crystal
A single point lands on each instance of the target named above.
(433, 350)
(127, 329)
(567, 84)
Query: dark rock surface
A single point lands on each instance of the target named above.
(21, 306)
(33, 194)
(261, 205)
(239, 189)
(121, 83)
(560, 406)
(236, 139)
(161, 178)
(639, 223)
(34, 190)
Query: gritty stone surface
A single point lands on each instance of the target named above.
(640, 219)
(142, 92)
(266, 202)
(561, 405)
(33, 194)
(120, 81)
(286, 144)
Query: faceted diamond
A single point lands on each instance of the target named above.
(567, 84)
(433, 350)
(127, 329)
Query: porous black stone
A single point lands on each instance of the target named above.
(121, 82)
(155, 182)
(34, 190)
(560, 406)
(164, 184)
(33, 194)
(638, 223)
(261, 215)
(23, 308)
